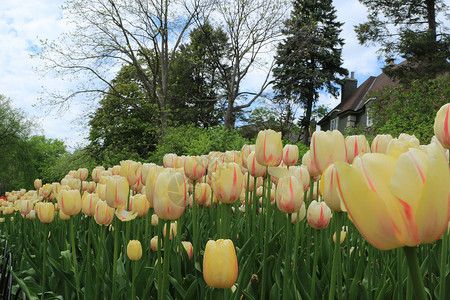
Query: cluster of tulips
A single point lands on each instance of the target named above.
(227, 217)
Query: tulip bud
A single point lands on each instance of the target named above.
(328, 189)
(343, 235)
(70, 202)
(104, 214)
(228, 182)
(37, 184)
(318, 215)
(269, 148)
(245, 152)
(302, 212)
(301, 172)
(380, 143)
(188, 247)
(202, 193)
(194, 168)
(82, 174)
(63, 216)
(155, 220)
(170, 195)
(253, 167)
(117, 190)
(154, 243)
(290, 155)
(169, 160)
(96, 173)
(356, 145)
(89, 203)
(25, 206)
(289, 194)
(131, 170)
(134, 250)
(441, 125)
(140, 205)
(327, 148)
(173, 230)
(220, 268)
(46, 212)
(308, 163)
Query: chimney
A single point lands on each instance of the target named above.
(350, 85)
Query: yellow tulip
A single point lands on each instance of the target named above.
(155, 220)
(356, 145)
(441, 125)
(269, 148)
(289, 194)
(254, 168)
(398, 201)
(70, 202)
(301, 172)
(169, 195)
(169, 160)
(290, 155)
(194, 167)
(140, 205)
(37, 184)
(46, 212)
(131, 170)
(309, 164)
(154, 243)
(117, 190)
(152, 175)
(134, 250)
(328, 189)
(318, 215)
(220, 268)
(96, 173)
(63, 216)
(188, 247)
(104, 214)
(228, 182)
(202, 193)
(380, 143)
(326, 148)
(89, 203)
(82, 174)
(173, 230)
(245, 152)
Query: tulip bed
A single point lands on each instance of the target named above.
(203, 228)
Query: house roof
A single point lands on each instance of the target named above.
(358, 98)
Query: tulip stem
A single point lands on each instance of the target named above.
(336, 258)
(160, 238)
(74, 256)
(115, 257)
(413, 264)
(316, 258)
(287, 260)
(167, 249)
(247, 210)
(444, 254)
(194, 223)
(133, 277)
(266, 236)
(88, 266)
(44, 260)
(99, 261)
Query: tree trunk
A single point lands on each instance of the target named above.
(229, 118)
(307, 120)
(431, 18)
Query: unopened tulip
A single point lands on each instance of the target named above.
(89, 203)
(155, 220)
(326, 148)
(290, 155)
(82, 174)
(154, 243)
(301, 172)
(254, 168)
(213, 165)
(441, 125)
(380, 143)
(188, 247)
(131, 170)
(117, 190)
(269, 148)
(202, 193)
(405, 198)
(169, 160)
(104, 214)
(343, 234)
(140, 205)
(46, 212)
(25, 206)
(309, 164)
(173, 230)
(70, 202)
(134, 250)
(220, 268)
(356, 145)
(328, 189)
(228, 182)
(37, 184)
(194, 167)
(318, 215)
(152, 175)
(245, 152)
(170, 195)
(289, 194)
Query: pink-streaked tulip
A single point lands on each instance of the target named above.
(139, 185)
(328, 189)
(155, 220)
(289, 194)
(101, 191)
(202, 193)
(89, 203)
(173, 230)
(213, 164)
(169, 160)
(194, 167)
(115, 170)
(82, 174)
(104, 214)
(254, 168)
(46, 190)
(356, 145)
(220, 268)
(134, 250)
(125, 215)
(131, 170)
(170, 195)
(188, 248)
(152, 175)
(250, 181)
(302, 213)
(290, 155)
(318, 215)
(406, 198)
(326, 148)
(96, 173)
(75, 183)
(441, 125)
(380, 143)
(145, 170)
(140, 205)
(245, 152)
(277, 172)
(25, 206)
(117, 190)
(56, 188)
(37, 184)
(45, 212)
(179, 162)
(269, 148)
(228, 182)
(70, 202)
(154, 243)
(31, 215)
(301, 172)
(309, 164)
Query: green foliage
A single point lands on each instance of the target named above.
(409, 109)
(191, 140)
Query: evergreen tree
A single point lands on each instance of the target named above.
(309, 58)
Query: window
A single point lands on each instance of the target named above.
(369, 120)
(334, 123)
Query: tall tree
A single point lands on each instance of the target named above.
(309, 59)
(252, 27)
(411, 30)
(107, 34)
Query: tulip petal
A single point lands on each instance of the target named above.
(125, 215)
(367, 209)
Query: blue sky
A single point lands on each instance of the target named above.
(24, 22)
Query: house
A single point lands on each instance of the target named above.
(355, 102)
